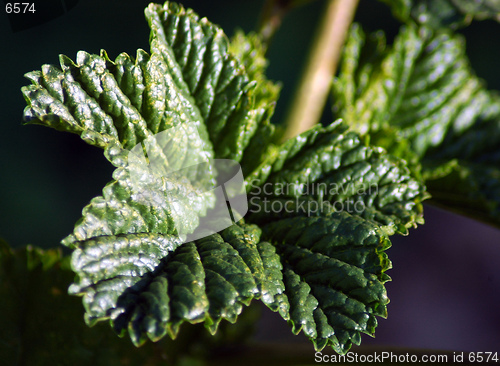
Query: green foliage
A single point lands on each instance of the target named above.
(333, 275)
(327, 169)
(198, 58)
(325, 277)
(322, 205)
(41, 325)
(250, 51)
(444, 13)
(420, 99)
(206, 280)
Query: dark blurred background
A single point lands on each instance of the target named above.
(446, 278)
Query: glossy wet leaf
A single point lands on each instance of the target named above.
(420, 99)
(126, 234)
(321, 275)
(329, 169)
(135, 264)
(203, 281)
(43, 325)
(334, 274)
(190, 78)
(231, 104)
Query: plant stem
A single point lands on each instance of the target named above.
(309, 100)
(270, 19)
(272, 15)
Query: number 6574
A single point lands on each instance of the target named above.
(17, 8)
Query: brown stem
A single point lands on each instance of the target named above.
(311, 96)
(271, 17)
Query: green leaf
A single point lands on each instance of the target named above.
(334, 274)
(327, 201)
(42, 325)
(463, 175)
(421, 101)
(203, 281)
(444, 13)
(421, 87)
(328, 169)
(325, 276)
(122, 106)
(231, 104)
(86, 98)
(190, 77)
(250, 50)
(105, 102)
(161, 119)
